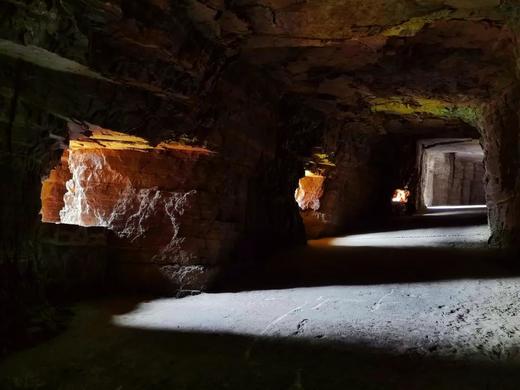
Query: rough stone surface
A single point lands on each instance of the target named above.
(309, 192)
(54, 189)
(500, 128)
(264, 85)
(461, 331)
(443, 319)
(74, 260)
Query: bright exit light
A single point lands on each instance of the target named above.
(400, 196)
(429, 237)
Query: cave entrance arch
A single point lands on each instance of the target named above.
(452, 174)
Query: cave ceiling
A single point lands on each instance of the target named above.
(388, 65)
(398, 61)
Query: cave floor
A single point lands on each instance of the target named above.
(439, 227)
(334, 315)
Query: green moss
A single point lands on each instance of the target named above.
(319, 162)
(323, 159)
(466, 112)
(414, 25)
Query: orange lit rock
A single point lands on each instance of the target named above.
(309, 192)
(165, 205)
(128, 190)
(400, 196)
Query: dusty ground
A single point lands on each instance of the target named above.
(412, 317)
(474, 319)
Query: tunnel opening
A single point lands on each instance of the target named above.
(452, 174)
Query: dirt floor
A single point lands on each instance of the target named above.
(337, 314)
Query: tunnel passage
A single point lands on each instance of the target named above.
(370, 78)
(438, 200)
(452, 173)
(367, 179)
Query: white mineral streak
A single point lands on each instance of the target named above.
(133, 210)
(88, 169)
(174, 206)
(139, 209)
(186, 276)
(131, 213)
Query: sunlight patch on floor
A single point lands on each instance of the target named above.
(450, 318)
(427, 237)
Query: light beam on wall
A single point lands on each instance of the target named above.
(103, 172)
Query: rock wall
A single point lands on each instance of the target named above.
(226, 77)
(251, 130)
(501, 137)
(366, 168)
(181, 213)
(73, 259)
(164, 71)
(348, 190)
(155, 202)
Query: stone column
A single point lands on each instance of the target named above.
(500, 134)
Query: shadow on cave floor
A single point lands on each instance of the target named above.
(444, 244)
(94, 353)
(435, 217)
(367, 327)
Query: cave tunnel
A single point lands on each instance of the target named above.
(452, 173)
(207, 194)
